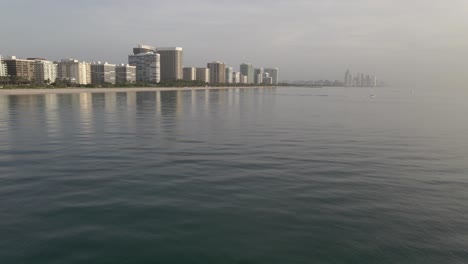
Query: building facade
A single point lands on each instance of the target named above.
(236, 77)
(125, 73)
(247, 70)
(189, 74)
(140, 49)
(171, 63)
(274, 74)
(20, 68)
(203, 74)
(45, 72)
(102, 73)
(3, 68)
(217, 72)
(258, 73)
(74, 71)
(148, 67)
(229, 72)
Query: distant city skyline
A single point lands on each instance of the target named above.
(399, 41)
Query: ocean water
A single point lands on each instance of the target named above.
(272, 175)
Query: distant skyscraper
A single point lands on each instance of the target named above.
(236, 76)
(258, 73)
(45, 72)
(125, 73)
(217, 72)
(203, 74)
(348, 79)
(229, 71)
(102, 73)
(247, 70)
(274, 74)
(189, 74)
(171, 63)
(147, 67)
(74, 71)
(140, 49)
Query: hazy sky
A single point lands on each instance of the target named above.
(401, 41)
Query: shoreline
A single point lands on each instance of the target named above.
(73, 90)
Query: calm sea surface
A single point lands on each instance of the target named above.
(282, 175)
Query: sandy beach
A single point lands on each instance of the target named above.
(112, 90)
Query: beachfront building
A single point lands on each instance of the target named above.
(3, 69)
(258, 73)
(171, 63)
(236, 76)
(274, 74)
(74, 71)
(247, 70)
(229, 71)
(125, 73)
(244, 79)
(20, 68)
(189, 74)
(217, 72)
(102, 73)
(45, 72)
(148, 67)
(203, 74)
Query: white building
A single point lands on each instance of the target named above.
(74, 71)
(3, 69)
(274, 74)
(148, 67)
(258, 76)
(229, 74)
(46, 72)
(236, 77)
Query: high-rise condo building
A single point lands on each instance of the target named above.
(171, 63)
(274, 74)
(102, 73)
(25, 69)
(3, 68)
(143, 49)
(348, 80)
(258, 73)
(203, 74)
(236, 76)
(125, 73)
(45, 72)
(247, 70)
(243, 79)
(74, 71)
(229, 71)
(217, 72)
(148, 67)
(189, 74)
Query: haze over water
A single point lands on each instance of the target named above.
(282, 175)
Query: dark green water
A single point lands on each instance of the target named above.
(284, 175)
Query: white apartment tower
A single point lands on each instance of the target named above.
(3, 69)
(46, 72)
(229, 74)
(74, 71)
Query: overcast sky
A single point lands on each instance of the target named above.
(401, 41)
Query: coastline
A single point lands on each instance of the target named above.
(72, 90)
